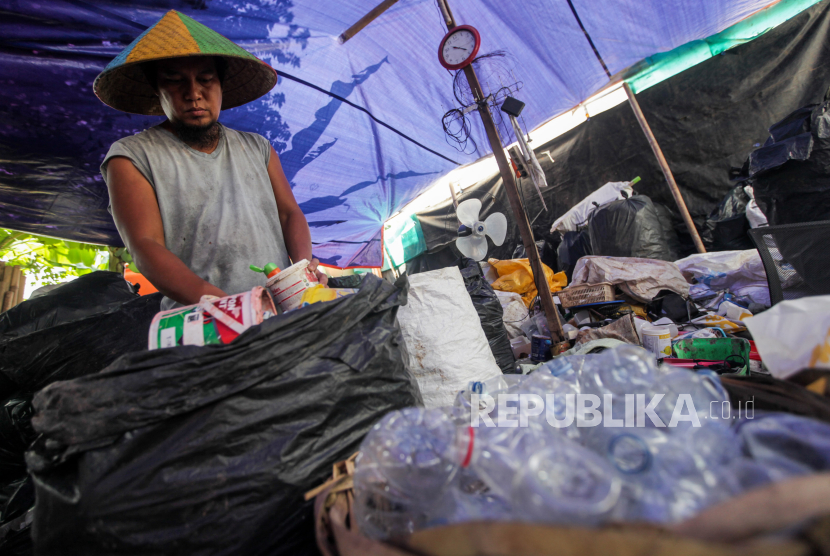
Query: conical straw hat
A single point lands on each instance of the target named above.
(123, 86)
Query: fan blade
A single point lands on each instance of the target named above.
(496, 227)
(472, 247)
(467, 212)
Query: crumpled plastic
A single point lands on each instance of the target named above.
(516, 276)
(580, 212)
(515, 313)
(739, 272)
(641, 279)
(793, 335)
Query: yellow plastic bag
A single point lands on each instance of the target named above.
(318, 293)
(516, 276)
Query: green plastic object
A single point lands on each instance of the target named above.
(714, 349)
(269, 268)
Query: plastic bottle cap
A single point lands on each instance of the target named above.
(271, 269)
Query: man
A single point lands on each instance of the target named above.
(195, 202)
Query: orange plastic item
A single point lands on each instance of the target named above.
(135, 278)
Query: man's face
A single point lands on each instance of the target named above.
(189, 90)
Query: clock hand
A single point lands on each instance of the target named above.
(459, 48)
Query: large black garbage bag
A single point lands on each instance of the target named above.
(209, 450)
(91, 294)
(574, 246)
(77, 348)
(16, 434)
(791, 173)
(490, 313)
(629, 228)
(726, 228)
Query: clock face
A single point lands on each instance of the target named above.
(459, 47)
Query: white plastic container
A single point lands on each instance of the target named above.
(288, 286)
(657, 340)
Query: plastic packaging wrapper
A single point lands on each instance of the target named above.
(555, 463)
(738, 272)
(578, 216)
(727, 225)
(76, 348)
(446, 345)
(791, 172)
(208, 450)
(641, 279)
(515, 313)
(629, 228)
(793, 335)
(90, 294)
(490, 313)
(516, 276)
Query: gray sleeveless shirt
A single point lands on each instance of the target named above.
(218, 209)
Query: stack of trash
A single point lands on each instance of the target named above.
(582, 440)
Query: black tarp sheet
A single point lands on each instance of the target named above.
(707, 120)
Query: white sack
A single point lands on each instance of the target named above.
(578, 215)
(446, 345)
(793, 335)
(641, 279)
(738, 272)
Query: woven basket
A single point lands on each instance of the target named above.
(583, 295)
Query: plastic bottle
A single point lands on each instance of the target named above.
(405, 465)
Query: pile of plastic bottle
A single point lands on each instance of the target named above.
(421, 468)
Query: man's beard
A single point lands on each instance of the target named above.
(197, 136)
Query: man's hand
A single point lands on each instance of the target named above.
(321, 276)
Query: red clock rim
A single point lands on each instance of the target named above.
(469, 59)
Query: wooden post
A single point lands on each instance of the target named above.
(4, 285)
(664, 165)
(11, 295)
(21, 287)
(366, 20)
(509, 180)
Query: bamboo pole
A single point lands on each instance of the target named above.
(366, 20)
(664, 166)
(11, 295)
(21, 287)
(509, 180)
(4, 285)
(2, 273)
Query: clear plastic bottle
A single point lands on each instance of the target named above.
(403, 471)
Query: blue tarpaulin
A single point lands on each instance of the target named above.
(357, 125)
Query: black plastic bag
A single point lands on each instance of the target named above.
(76, 348)
(16, 434)
(574, 246)
(209, 450)
(351, 281)
(726, 228)
(490, 314)
(92, 294)
(629, 228)
(795, 188)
